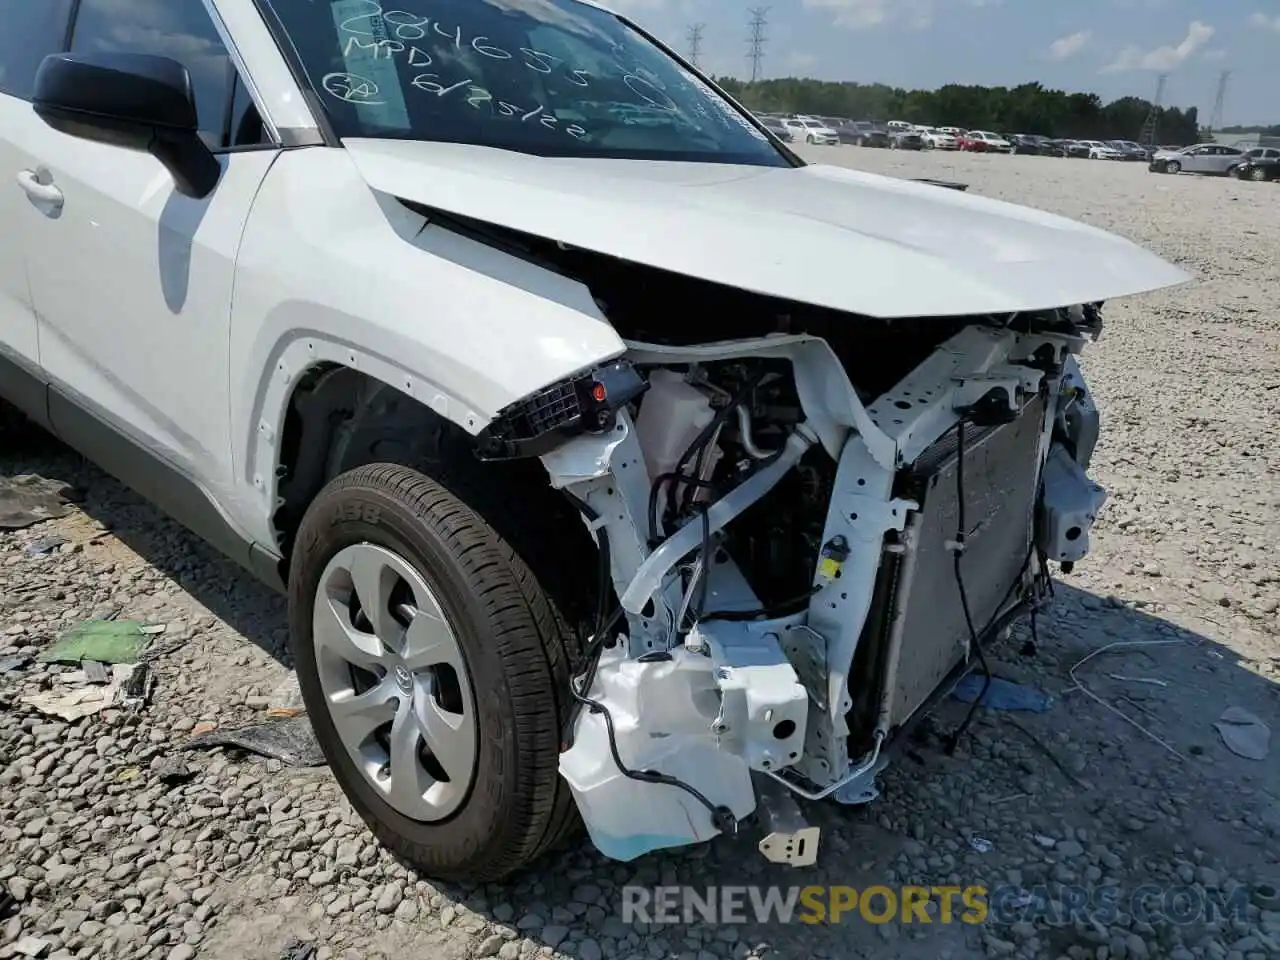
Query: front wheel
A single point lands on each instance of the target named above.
(434, 671)
(810, 140)
(1173, 166)
(1258, 173)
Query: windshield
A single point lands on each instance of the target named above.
(547, 77)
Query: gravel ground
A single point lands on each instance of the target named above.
(116, 844)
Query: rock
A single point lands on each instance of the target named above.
(590, 950)
(490, 946)
(407, 910)
(553, 934)
(32, 947)
(390, 898)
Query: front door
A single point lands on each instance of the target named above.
(28, 33)
(132, 280)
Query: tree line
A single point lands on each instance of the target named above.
(1028, 108)
(1272, 131)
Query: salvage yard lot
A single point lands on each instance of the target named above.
(117, 844)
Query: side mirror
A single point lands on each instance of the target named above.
(130, 100)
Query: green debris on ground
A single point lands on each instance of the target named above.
(106, 641)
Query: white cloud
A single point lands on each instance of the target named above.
(1260, 19)
(863, 14)
(1161, 58)
(1070, 45)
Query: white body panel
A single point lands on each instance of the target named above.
(139, 335)
(330, 271)
(19, 213)
(817, 234)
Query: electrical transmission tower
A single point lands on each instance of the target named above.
(1219, 101)
(695, 43)
(757, 40)
(1148, 137)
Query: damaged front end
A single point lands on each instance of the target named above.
(809, 534)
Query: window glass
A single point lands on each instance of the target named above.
(550, 77)
(30, 30)
(180, 29)
(246, 128)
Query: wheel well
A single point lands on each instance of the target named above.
(338, 419)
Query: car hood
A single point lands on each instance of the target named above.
(817, 234)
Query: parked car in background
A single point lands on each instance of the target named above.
(954, 131)
(905, 138)
(777, 128)
(1131, 150)
(863, 133)
(1072, 148)
(1214, 159)
(811, 130)
(898, 125)
(1099, 150)
(1260, 163)
(1031, 143)
(935, 139)
(984, 141)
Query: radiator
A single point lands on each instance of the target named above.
(1000, 480)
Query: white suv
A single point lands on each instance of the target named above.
(610, 454)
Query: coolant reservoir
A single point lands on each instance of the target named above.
(671, 416)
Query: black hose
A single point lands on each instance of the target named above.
(721, 817)
(974, 639)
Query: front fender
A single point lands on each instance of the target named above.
(331, 272)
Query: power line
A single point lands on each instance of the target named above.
(1219, 102)
(757, 40)
(1151, 124)
(695, 43)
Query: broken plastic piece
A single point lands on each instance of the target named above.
(1244, 734)
(1001, 694)
(27, 499)
(289, 740)
(84, 701)
(789, 838)
(44, 546)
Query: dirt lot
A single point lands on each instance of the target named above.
(115, 844)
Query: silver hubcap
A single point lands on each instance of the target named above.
(395, 681)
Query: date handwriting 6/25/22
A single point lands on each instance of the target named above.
(352, 88)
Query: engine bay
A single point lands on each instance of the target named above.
(807, 529)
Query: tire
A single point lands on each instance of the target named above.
(508, 641)
(862, 141)
(1173, 166)
(809, 140)
(1258, 174)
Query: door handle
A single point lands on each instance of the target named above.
(43, 192)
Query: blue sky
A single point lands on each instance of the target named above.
(1111, 47)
